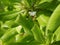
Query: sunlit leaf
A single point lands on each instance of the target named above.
(37, 34)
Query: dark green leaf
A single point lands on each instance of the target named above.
(27, 24)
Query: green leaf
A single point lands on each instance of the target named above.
(43, 12)
(1, 7)
(24, 37)
(11, 23)
(49, 5)
(8, 15)
(56, 43)
(37, 2)
(37, 34)
(14, 1)
(10, 7)
(30, 3)
(26, 4)
(54, 21)
(57, 34)
(7, 2)
(22, 44)
(27, 24)
(43, 20)
(8, 35)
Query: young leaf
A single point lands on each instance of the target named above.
(37, 34)
(8, 35)
(43, 20)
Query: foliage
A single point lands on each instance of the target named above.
(29, 22)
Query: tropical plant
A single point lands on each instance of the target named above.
(29, 22)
